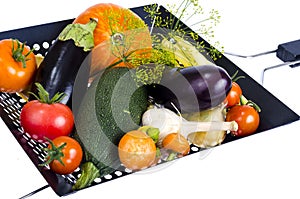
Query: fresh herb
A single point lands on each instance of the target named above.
(172, 30)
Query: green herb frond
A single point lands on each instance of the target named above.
(203, 28)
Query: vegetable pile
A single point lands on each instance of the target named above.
(141, 103)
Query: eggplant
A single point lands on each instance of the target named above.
(61, 64)
(191, 89)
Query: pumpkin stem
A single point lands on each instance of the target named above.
(18, 52)
(118, 39)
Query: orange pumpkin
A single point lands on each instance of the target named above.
(119, 36)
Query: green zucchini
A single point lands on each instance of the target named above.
(112, 106)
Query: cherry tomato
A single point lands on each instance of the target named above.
(177, 143)
(233, 97)
(17, 66)
(247, 118)
(137, 150)
(64, 155)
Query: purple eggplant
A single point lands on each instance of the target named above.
(192, 89)
(59, 69)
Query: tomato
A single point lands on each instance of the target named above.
(17, 66)
(64, 155)
(233, 97)
(247, 118)
(46, 118)
(137, 150)
(118, 34)
(177, 143)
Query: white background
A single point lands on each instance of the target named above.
(265, 165)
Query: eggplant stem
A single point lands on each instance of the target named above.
(81, 34)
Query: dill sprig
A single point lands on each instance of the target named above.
(170, 26)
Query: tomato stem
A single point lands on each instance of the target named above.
(234, 77)
(53, 153)
(43, 95)
(254, 105)
(18, 52)
(245, 101)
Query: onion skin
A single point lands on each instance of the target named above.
(192, 89)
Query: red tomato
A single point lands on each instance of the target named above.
(42, 120)
(66, 158)
(17, 66)
(247, 118)
(233, 97)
